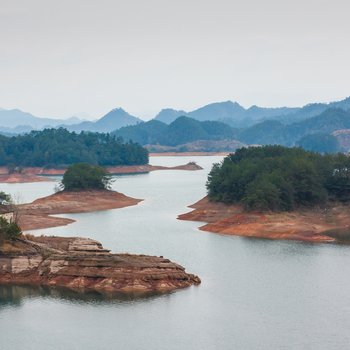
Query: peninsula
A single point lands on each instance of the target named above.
(323, 225)
(278, 193)
(85, 188)
(37, 215)
(82, 265)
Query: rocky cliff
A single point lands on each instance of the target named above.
(83, 264)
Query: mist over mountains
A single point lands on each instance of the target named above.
(229, 112)
(214, 122)
(235, 115)
(15, 118)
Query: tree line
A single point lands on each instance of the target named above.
(182, 130)
(279, 178)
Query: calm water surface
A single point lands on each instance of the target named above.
(255, 294)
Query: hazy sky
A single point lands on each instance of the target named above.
(61, 57)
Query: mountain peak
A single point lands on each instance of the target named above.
(218, 111)
(168, 115)
(117, 109)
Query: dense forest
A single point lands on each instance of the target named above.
(182, 130)
(279, 178)
(59, 148)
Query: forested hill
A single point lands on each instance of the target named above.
(280, 178)
(182, 130)
(59, 148)
(274, 132)
(312, 134)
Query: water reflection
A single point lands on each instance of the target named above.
(15, 295)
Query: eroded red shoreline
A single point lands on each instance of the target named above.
(309, 225)
(37, 174)
(37, 215)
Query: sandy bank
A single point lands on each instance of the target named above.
(310, 225)
(187, 154)
(36, 215)
(191, 166)
(82, 264)
(22, 178)
(41, 174)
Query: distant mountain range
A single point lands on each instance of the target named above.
(232, 113)
(220, 121)
(115, 119)
(275, 132)
(322, 132)
(16, 121)
(235, 115)
(15, 118)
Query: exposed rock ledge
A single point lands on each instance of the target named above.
(310, 225)
(83, 264)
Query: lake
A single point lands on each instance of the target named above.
(255, 294)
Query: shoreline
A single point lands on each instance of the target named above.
(38, 174)
(38, 214)
(22, 178)
(330, 225)
(187, 154)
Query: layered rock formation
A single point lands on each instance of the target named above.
(83, 264)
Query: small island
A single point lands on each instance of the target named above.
(276, 192)
(84, 188)
(35, 156)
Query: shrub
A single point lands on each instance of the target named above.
(9, 230)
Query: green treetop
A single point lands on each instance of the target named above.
(83, 176)
(280, 178)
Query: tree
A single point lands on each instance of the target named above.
(83, 176)
(261, 194)
(5, 197)
(9, 230)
